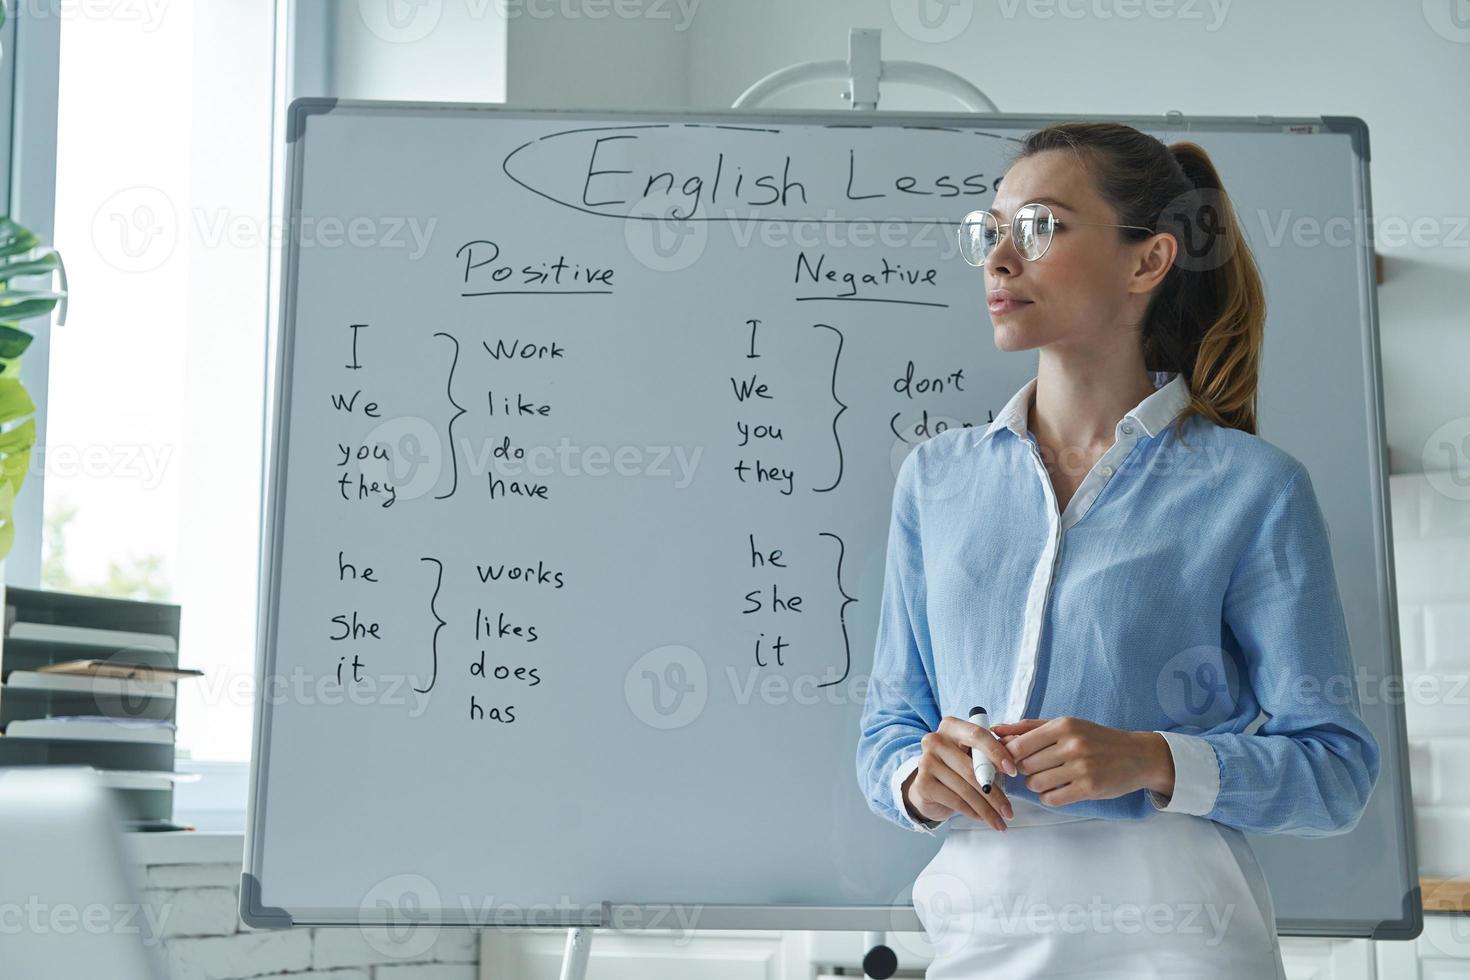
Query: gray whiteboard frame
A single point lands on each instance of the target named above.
(719, 916)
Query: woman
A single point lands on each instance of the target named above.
(1125, 576)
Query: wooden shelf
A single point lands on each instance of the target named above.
(1446, 894)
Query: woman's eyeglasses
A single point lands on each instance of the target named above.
(1030, 230)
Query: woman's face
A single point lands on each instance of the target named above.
(1082, 290)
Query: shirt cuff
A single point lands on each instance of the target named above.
(899, 775)
(1196, 776)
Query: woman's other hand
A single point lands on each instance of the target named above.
(1066, 760)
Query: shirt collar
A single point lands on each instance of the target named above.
(1170, 396)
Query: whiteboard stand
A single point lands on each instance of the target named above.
(862, 71)
(574, 960)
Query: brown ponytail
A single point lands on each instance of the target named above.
(1207, 317)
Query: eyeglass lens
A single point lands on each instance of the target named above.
(1031, 228)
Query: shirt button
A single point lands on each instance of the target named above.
(1128, 428)
(1107, 471)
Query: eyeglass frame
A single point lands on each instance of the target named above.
(1004, 230)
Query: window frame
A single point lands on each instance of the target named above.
(29, 83)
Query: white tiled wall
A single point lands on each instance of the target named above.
(1431, 530)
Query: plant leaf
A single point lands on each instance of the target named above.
(7, 514)
(28, 305)
(15, 401)
(35, 265)
(13, 468)
(13, 342)
(20, 438)
(15, 239)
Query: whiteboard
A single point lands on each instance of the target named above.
(577, 501)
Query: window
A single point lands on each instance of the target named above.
(157, 379)
(152, 398)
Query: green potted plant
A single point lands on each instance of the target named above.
(21, 254)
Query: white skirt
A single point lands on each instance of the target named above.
(1055, 895)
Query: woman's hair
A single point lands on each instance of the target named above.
(1206, 319)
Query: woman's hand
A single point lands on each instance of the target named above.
(1066, 760)
(944, 782)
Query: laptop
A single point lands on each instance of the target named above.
(68, 906)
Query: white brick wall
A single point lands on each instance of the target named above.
(196, 907)
(1431, 537)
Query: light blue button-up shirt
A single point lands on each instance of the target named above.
(1187, 589)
